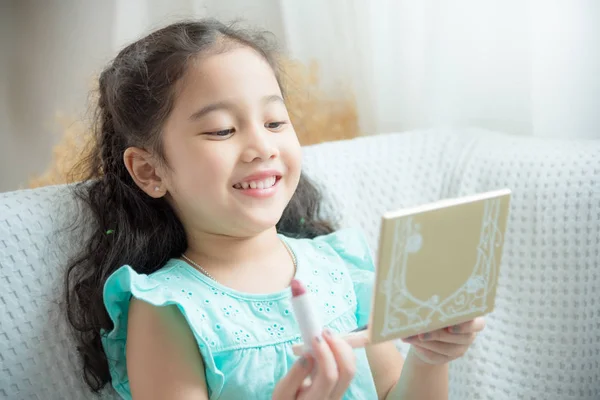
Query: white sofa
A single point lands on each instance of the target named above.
(542, 341)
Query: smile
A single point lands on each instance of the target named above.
(261, 184)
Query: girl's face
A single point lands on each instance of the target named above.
(234, 158)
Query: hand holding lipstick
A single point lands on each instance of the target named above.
(328, 364)
(329, 369)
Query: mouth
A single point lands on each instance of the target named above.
(260, 184)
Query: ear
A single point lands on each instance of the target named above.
(145, 172)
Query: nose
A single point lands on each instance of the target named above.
(261, 144)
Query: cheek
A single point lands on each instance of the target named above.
(297, 166)
(199, 174)
(295, 159)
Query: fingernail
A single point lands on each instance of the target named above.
(456, 329)
(318, 339)
(426, 336)
(303, 362)
(327, 332)
(409, 339)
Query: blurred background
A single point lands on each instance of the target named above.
(525, 67)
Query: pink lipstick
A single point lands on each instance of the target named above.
(308, 321)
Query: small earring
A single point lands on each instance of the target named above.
(156, 188)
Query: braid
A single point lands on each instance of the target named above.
(114, 204)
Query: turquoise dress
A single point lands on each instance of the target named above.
(246, 339)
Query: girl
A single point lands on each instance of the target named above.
(201, 218)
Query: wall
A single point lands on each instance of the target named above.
(50, 52)
(7, 131)
(50, 55)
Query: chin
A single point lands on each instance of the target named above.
(259, 226)
(256, 224)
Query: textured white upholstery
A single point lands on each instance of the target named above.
(542, 342)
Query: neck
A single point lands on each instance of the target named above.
(225, 254)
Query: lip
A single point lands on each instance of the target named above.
(258, 176)
(261, 193)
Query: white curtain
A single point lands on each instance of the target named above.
(524, 67)
(527, 67)
(521, 66)
(51, 51)
(133, 18)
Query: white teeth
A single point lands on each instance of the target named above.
(264, 184)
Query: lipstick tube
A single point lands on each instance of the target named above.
(308, 320)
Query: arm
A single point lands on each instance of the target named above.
(399, 379)
(163, 360)
(424, 374)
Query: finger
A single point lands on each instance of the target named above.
(297, 349)
(293, 381)
(305, 386)
(326, 372)
(428, 356)
(459, 338)
(345, 360)
(355, 340)
(449, 350)
(443, 336)
(473, 326)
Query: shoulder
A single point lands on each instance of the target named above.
(154, 318)
(126, 282)
(143, 313)
(350, 245)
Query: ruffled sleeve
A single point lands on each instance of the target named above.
(351, 245)
(120, 287)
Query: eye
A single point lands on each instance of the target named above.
(275, 125)
(224, 132)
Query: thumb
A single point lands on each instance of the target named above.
(292, 382)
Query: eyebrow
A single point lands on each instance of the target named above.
(274, 98)
(221, 105)
(226, 105)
